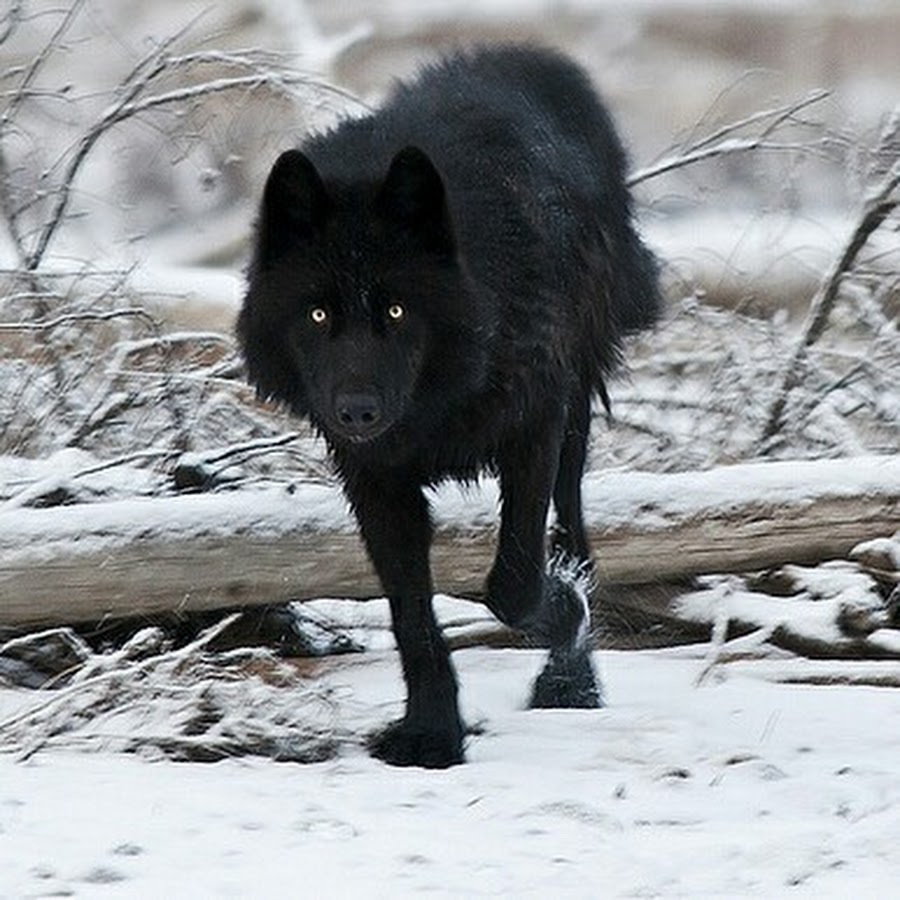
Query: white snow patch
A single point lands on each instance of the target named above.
(617, 497)
(87, 528)
(738, 788)
(368, 623)
(654, 496)
(816, 620)
(888, 549)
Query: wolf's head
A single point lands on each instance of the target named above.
(357, 301)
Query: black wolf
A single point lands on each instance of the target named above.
(441, 287)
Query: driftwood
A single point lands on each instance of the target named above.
(86, 562)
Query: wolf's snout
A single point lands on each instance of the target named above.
(358, 414)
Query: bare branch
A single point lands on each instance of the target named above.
(267, 64)
(68, 318)
(876, 208)
(112, 667)
(172, 339)
(681, 160)
(129, 105)
(721, 142)
(131, 87)
(137, 457)
(281, 81)
(252, 448)
(10, 21)
(39, 61)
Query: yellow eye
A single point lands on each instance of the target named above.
(396, 312)
(318, 315)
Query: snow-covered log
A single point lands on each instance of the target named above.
(208, 551)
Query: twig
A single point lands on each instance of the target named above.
(859, 368)
(82, 271)
(128, 459)
(741, 648)
(68, 318)
(887, 680)
(103, 413)
(130, 88)
(719, 602)
(39, 61)
(258, 61)
(720, 142)
(171, 339)
(205, 89)
(118, 664)
(779, 116)
(254, 447)
(11, 20)
(681, 160)
(876, 208)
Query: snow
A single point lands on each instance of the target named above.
(695, 494)
(618, 497)
(815, 620)
(886, 639)
(43, 533)
(611, 499)
(888, 549)
(191, 296)
(705, 776)
(741, 787)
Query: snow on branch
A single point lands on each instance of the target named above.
(722, 142)
(130, 104)
(143, 89)
(835, 610)
(186, 704)
(877, 206)
(80, 317)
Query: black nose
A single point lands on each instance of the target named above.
(358, 413)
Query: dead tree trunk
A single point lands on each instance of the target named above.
(87, 562)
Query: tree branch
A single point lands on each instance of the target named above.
(721, 142)
(10, 21)
(130, 105)
(69, 318)
(876, 208)
(130, 88)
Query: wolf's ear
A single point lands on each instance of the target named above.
(413, 196)
(294, 204)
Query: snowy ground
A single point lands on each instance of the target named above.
(742, 786)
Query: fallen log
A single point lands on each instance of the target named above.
(210, 551)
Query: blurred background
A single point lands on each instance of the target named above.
(135, 138)
(671, 70)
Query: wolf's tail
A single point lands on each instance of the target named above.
(637, 300)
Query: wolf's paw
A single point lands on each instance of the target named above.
(567, 681)
(410, 743)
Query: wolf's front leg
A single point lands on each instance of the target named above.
(430, 734)
(396, 527)
(550, 605)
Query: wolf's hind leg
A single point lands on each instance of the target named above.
(568, 679)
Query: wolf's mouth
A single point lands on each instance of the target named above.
(359, 435)
(358, 439)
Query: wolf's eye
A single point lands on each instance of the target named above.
(318, 315)
(396, 312)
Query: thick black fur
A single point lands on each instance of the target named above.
(441, 287)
